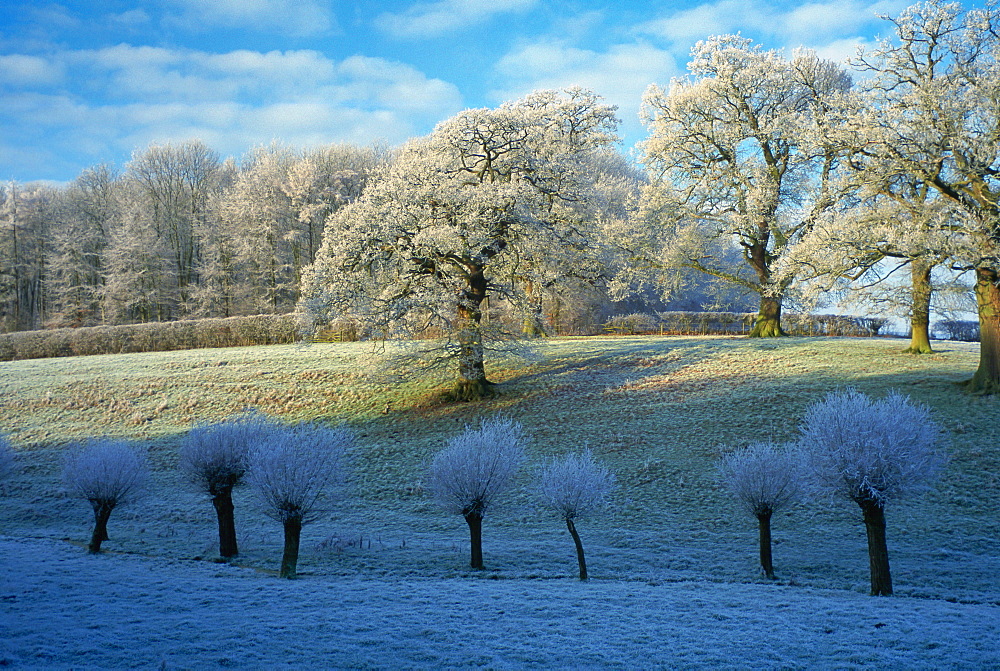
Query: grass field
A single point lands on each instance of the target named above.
(658, 411)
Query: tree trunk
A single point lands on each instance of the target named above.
(475, 522)
(472, 384)
(581, 560)
(102, 512)
(531, 327)
(768, 323)
(764, 526)
(920, 317)
(290, 557)
(878, 551)
(224, 511)
(987, 377)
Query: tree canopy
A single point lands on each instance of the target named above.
(493, 203)
(736, 152)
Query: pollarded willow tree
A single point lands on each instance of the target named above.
(107, 473)
(215, 458)
(493, 202)
(573, 487)
(937, 89)
(736, 152)
(473, 474)
(764, 478)
(872, 452)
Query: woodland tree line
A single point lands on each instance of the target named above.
(785, 177)
(178, 234)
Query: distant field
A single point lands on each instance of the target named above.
(658, 410)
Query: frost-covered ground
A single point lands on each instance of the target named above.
(384, 573)
(63, 609)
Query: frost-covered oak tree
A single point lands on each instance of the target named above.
(764, 478)
(872, 452)
(576, 486)
(294, 470)
(857, 255)
(107, 473)
(474, 472)
(492, 203)
(736, 153)
(937, 89)
(215, 458)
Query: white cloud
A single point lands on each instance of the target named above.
(21, 70)
(821, 20)
(143, 73)
(620, 74)
(725, 16)
(231, 101)
(431, 19)
(297, 18)
(812, 25)
(398, 86)
(132, 18)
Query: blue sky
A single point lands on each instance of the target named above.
(85, 82)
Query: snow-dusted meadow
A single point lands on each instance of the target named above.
(384, 579)
(67, 610)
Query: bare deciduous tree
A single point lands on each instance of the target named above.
(215, 458)
(765, 478)
(107, 473)
(474, 471)
(872, 452)
(576, 486)
(293, 470)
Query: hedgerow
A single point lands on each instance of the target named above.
(151, 337)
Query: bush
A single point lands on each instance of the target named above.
(293, 469)
(764, 478)
(474, 471)
(576, 486)
(215, 458)
(872, 452)
(108, 474)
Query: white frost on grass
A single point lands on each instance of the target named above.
(61, 609)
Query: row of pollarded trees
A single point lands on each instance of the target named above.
(867, 451)
(294, 468)
(864, 450)
(290, 467)
(816, 177)
(179, 233)
(474, 473)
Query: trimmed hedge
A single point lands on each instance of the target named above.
(287, 328)
(729, 323)
(151, 337)
(961, 330)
